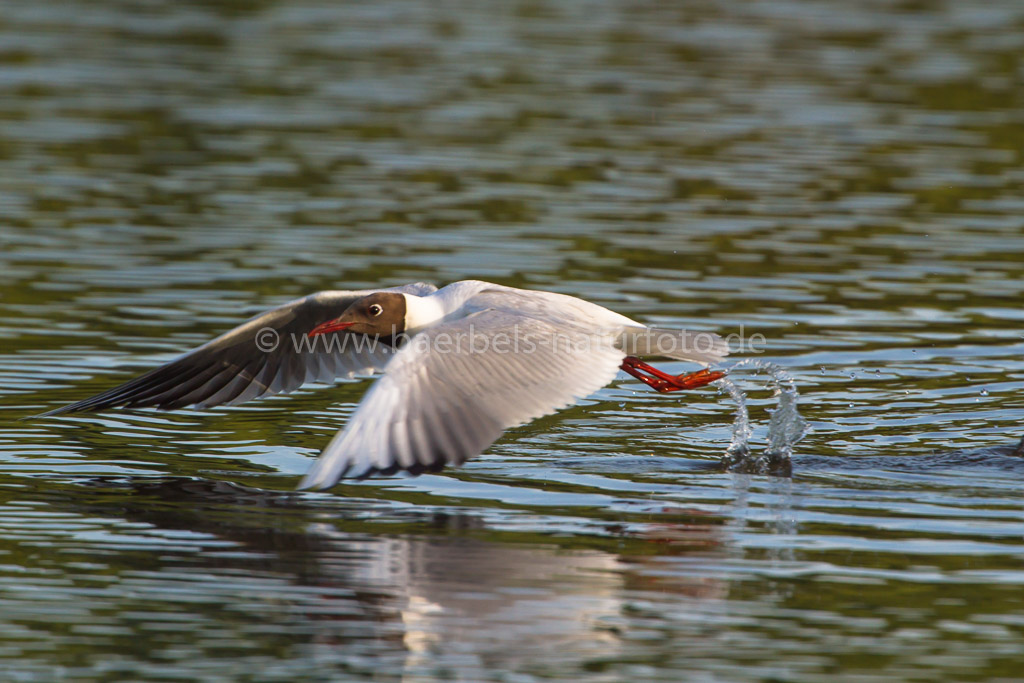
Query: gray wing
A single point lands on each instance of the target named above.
(699, 347)
(241, 365)
(453, 389)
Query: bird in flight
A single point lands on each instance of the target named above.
(459, 365)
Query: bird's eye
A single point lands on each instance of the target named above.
(375, 310)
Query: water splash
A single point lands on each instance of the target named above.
(785, 426)
(742, 430)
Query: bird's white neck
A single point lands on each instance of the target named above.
(422, 311)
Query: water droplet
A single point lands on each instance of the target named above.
(913, 350)
(853, 375)
(907, 392)
(984, 392)
(823, 369)
(851, 405)
(878, 371)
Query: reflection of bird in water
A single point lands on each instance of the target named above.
(439, 596)
(477, 605)
(463, 599)
(692, 535)
(460, 365)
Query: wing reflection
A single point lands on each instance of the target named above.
(435, 587)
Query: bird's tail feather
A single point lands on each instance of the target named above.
(699, 347)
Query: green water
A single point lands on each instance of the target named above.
(844, 178)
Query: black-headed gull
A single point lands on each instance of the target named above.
(460, 365)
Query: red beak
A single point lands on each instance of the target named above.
(329, 326)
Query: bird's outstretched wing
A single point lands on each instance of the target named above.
(269, 354)
(453, 389)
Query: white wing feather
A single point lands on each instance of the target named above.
(454, 388)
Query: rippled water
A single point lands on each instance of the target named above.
(843, 178)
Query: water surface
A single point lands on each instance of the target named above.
(841, 177)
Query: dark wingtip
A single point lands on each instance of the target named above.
(50, 413)
(75, 407)
(414, 470)
(346, 475)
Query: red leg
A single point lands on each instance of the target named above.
(664, 382)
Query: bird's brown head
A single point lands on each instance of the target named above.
(382, 313)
